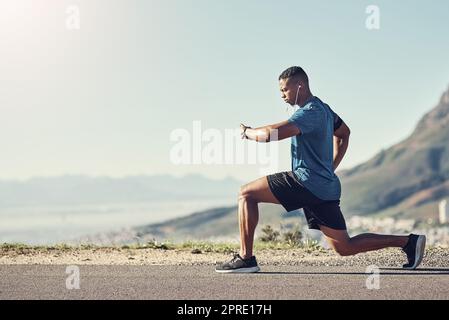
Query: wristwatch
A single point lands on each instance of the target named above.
(244, 132)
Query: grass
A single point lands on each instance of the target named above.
(193, 246)
(270, 239)
(57, 247)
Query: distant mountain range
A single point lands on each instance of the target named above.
(85, 190)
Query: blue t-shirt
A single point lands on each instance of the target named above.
(312, 150)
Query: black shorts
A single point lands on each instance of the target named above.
(293, 195)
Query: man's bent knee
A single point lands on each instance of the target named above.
(343, 250)
(245, 193)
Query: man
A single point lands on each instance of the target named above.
(319, 142)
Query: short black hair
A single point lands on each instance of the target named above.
(294, 72)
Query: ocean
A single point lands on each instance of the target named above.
(57, 224)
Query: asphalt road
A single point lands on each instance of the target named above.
(201, 282)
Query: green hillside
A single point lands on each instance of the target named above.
(406, 176)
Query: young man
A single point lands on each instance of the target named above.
(319, 141)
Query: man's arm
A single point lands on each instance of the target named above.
(274, 132)
(341, 142)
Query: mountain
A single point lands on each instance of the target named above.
(408, 178)
(80, 190)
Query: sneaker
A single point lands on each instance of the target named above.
(238, 265)
(414, 249)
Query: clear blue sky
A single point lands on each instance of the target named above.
(103, 100)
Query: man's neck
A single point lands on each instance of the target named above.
(306, 98)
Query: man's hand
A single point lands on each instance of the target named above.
(270, 133)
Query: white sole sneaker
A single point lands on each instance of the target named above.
(419, 252)
(240, 270)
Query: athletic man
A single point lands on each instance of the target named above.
(319, 141)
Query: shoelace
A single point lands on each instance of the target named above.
(236, 257)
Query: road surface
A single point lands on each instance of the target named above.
(201, 282)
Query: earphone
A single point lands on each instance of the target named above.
(297, 92)
(296, 99)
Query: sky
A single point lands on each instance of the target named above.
(98, 87)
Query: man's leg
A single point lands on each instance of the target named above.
(249, 197)
(346, 246)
